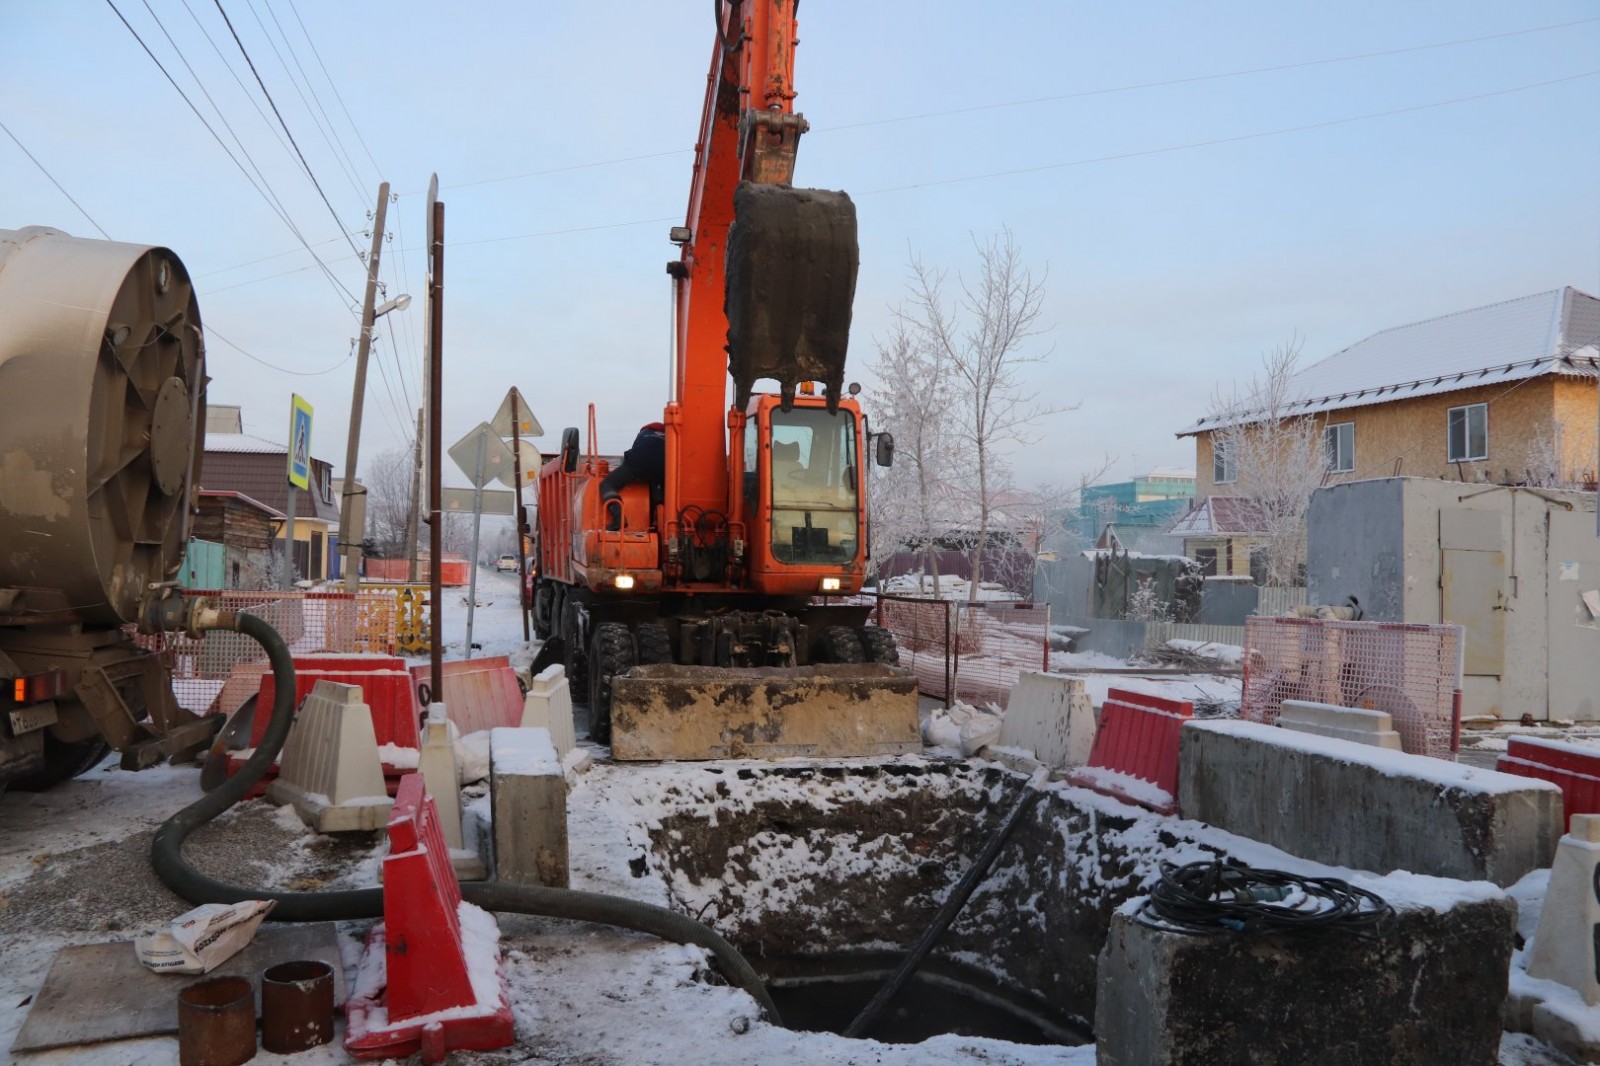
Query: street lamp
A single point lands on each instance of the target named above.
(399, 303)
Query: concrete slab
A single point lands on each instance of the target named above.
(1414, 994)
(694, 712)
(1354, 805)
(528, 799)
(1355, 724)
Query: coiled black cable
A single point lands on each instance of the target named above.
(1210, 898)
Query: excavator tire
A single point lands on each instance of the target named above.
(612, 653)
(840, 645)
(654, 644)
(879, 646)
(791, 280)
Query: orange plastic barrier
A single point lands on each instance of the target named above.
(478, 693)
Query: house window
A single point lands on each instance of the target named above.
(1224, 463)
(1467, 433)
(1207, 558)
(1340, 442)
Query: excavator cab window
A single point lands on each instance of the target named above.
(814, 470)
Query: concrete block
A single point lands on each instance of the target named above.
(1564, 946)
(1424, 992)
(1355, 724)
(528, 797)
(329, 768)
(436, 761)
(548, 705)
(1051, 716)
(1355, 805)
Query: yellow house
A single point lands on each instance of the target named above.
(1503, 394)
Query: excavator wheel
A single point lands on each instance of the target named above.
(879, 646)
(654, 644)
(840, 645)
(612, 653)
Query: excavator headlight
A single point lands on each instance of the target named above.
(831, 584)
(623, 581)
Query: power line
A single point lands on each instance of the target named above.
(1231, 140)
(283, 216)
(286, 131)
(53, 180)
(332, 85)
(210, 331)
(264, 258)
(1104, 91)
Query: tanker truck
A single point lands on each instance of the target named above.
(102, 373)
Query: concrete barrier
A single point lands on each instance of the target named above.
(1168, 998)
(548, 705)
(1051, 716)
(1354, 805)
(1355, 724)
(528, 797)
(329, 769)
(1564, 947)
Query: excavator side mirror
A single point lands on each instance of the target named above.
(569, 450)
(884, 454)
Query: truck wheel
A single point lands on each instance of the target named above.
(839, 645)
(543, 622)
(612, 654)
(62, 760)
(654, 643)
(879, 646)
(574, 656)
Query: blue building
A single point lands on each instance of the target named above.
(1147, 505)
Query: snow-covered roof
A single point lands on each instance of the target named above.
(1553, 332)
(1220, 516)
(1182, 473)
(241, 443)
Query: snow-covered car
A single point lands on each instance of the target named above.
(506, 564)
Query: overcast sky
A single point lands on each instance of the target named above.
(1187, 227)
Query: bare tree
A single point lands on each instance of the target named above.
(913, 403)
(388, 484)
(982, 335)
(1278, 458)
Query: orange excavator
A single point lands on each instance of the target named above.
(704, 616)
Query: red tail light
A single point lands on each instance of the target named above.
(36, 688)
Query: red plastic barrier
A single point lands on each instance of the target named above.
(426, 968)
(1574, 769)
(385, 688)
(1135, 747)
(478, 693)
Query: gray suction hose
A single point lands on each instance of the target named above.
(166, 851)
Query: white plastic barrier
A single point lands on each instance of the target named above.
(1564, 947)
(548, 705)
(1052, 716)
(329, 768)
(1355, 724)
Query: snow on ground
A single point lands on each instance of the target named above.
(74, 869)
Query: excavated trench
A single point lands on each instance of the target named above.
(823, 876)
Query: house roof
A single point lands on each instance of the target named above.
(263, 475)
(248, 501)
(1220, 516)
(1553, 332)
(243, 443)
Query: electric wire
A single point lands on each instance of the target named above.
(211, 332)
(334, 86)
(286, 131)
(1102, 91)
(1281, 131)
(1211, 898)
(59, 188)
(283, 216)
(263, 259)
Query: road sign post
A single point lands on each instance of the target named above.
(514, 415)
(481, 455)
(299, 476)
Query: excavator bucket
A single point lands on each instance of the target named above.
(791, 281)
(706, 712)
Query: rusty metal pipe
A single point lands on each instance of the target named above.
(296, 1006)
(217, 1022)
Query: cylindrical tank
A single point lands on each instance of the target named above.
(102, 371)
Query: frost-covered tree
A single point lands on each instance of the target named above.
(983, 336)
(1279, 458)
(388, 482)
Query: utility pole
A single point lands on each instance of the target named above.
(435, 387)
(416, 505)
(350, 539)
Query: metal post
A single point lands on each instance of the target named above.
(435, 392)
(477, 524)
(288, 541)
(350, 539)
(416, 506)
(516, 513)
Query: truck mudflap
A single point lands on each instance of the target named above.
(707, 712)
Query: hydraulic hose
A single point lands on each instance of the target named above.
(166, 851)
